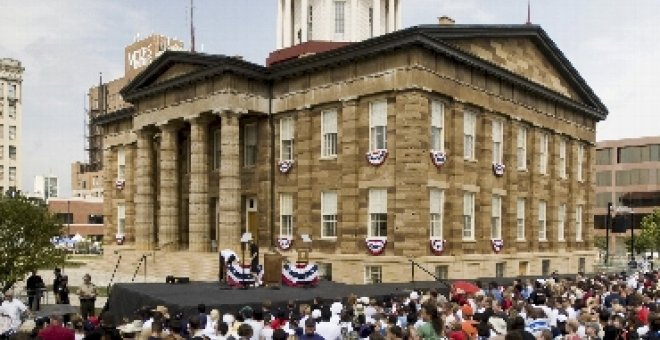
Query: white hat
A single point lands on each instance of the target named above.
(316, 313)
(228, 319)
(414, 295)
(364, 300)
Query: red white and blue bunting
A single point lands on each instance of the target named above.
(437, 246)
(497, 245)
(498, 169)
(240, 275)
(376, 157)
(285, 166)
(119, 184)
(376, 246)
(300, 275)
(438, 158)
(284, 243)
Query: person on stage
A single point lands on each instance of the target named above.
(34, 286)
(254, 263)
(87, 294)
(57, 281)
(14, 309)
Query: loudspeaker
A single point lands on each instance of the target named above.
(620, 223)
(171, 279)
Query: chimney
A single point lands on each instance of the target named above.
(445, 20)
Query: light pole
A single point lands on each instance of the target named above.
(608, 223)
(68, 218)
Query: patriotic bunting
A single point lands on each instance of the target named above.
(498, 169)
(284, 243)
(437, 246)
(240, 275)
(300, 275)
(376, 157)
(497, 245)
(376, 246)
(438, 158)
(285, 166)
(119, 184)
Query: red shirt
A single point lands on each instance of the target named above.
(457, 335)
(56, 332)
(643, 315)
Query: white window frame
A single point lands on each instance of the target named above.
(468, 216)
(340, 17)
(496, 217)
(11, 132)
(377, 211)
(286, 215)
(578, 223)
(543, 222)
(370, 271)
(469, 134)
(329, 135)
(561, 222)
(498, 141)
(437, 125)
(580, 163)
(520, 219)
(562, 159)
(121, 163)
(121, 219)
(329, 214)
(543, 153)
(250, 143)
(436, 212)
(287, 133)
(378, 125)
(521, 149)
(12, 173)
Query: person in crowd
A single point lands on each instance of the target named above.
(310, 331)
(56, 331)
(432, 328)
(14, 309)
(106, 330)
(63, 291)
(327, 329)
(57, 280)
(245, 332)
(34, 286)
(87, 294)
(254, 263)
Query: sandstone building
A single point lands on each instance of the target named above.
(11, 116)
(476, 139)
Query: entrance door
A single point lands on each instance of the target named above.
(523, 268)
(251, 218)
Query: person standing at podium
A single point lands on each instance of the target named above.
(254, 263)
(34, 286)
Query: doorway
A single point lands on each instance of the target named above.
(523, 268)
(251, 221)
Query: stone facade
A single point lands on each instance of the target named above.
(202, 155)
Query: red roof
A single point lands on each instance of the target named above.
(296, 51)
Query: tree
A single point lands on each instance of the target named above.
(26, 231)
(651, 230)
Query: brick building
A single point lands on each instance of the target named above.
(477, 139)
(79, 216)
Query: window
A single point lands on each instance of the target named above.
(250, 149)
(437, 123)
(12, 152)
(121, 163)
(578, 223)
(496, 218)
(543, 154)
(436, 204)
(371, 22)
(468, 216)
(373, 274)
(604, 156)
(12, 132)
(604, 178)
(602, 199)
(520, 219)
(582, 264)
(580, 162)
(561, 222)
(286, 215)
(378, 125)
(216, 149)
(469, 132)
(498, 131)
(2, 127)
(95, 219)
(442, 271)
(2, 176)
(500, 269)
(329, 133)
(339, 17)
(542, 221)
(378, 212)
(562, 159)
(64, 218)
(286, 139)
(121, 219)
(328, 214)
(521, 149)
(11, 91)
(11, 113)
(2, 151)
(325, 271)
(310, 22)
(545, 267)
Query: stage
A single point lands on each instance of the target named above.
(126, 298)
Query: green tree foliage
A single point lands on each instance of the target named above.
(651, 230)
(600, 243)
(26, 230)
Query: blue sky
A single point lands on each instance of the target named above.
(64, 44)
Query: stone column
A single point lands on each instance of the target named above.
(144, 196)
(229, 230)
(303, 21)
(168, 233)
(390, 17)
(287, 24)
(278, 30)
(376, 17)
(199, 220)
(109, 219)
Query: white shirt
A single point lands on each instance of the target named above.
(14, 309)
(328, 330)
(256, 328)
(267, 333)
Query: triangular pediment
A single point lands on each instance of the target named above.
(176, 70)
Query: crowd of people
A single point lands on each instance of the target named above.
(608, 307)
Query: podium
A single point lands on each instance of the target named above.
(273, 269)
